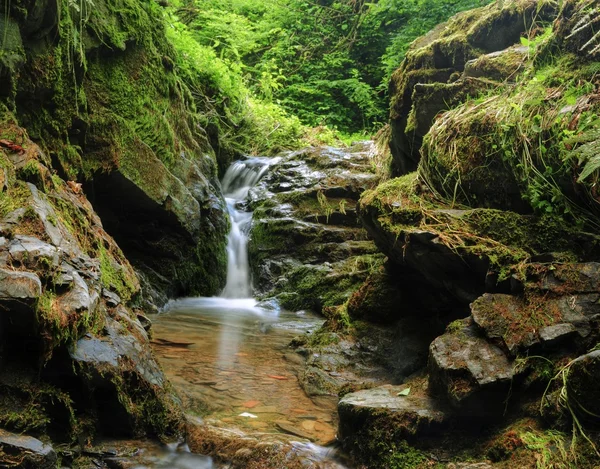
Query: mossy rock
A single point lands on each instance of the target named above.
(98, 90)
(583, 386)
(436, 61)
(499, 66)
(463, 252)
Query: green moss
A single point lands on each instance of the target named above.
(77, 221)
(115, 276)
(316, 288)
(514, 149)
(15, 197)
(36, 408)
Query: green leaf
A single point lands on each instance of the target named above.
(404, 392)
(592, 165)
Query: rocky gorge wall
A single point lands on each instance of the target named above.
(109, 205)
(493, 134)
(95, 83)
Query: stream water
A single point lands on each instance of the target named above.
(228, 356)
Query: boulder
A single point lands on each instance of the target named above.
(473, 375)
(25, 452)
(538, 323)
(385, 407)
(429, 79)
(306, 244)
(583, 386)
(126, 382)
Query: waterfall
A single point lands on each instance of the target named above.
(238, 180)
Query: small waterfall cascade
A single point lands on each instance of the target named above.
(238, 180)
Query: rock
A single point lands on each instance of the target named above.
(380, 411)
(424, 257)
(79, 297)
(378, 299)
(583, 386)
(287, 427)
(31, 252)
(522, 323)
(126, 382)
(53, 226)
(557, 333)
(15, 285)
(112, 299)
(435, 62)
(473, 375)
(306, 244)
(25, 452)
(142, 202)
(499, 66)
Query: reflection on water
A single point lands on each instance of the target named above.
(232, 358)
(175, 456)
(230, 315)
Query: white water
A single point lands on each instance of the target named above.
(238, 180)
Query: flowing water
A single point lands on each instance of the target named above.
(228, 356)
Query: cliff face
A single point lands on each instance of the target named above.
(495, 133)
(95, 84)
(75, 354)
(103, 161)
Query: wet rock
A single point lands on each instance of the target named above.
(288, 427)
(25, 452)
(56, 231)
(19, 285)
(31, 252)
(112, 299)
(117, 344)
(583, 386)
(381, 411)
(306, 244)
(126, 381)
(473, 375)
(79, 298)
(167, 220)
(144, 321)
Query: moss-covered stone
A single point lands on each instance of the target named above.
(63, 279)
(98, 90)
(426, 82)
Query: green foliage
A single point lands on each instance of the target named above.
(538, 141)
(325, 62)
(407, 20)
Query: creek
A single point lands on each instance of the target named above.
(228, 356)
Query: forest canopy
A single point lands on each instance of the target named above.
(325, 62)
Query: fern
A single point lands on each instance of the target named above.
(587, 153)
